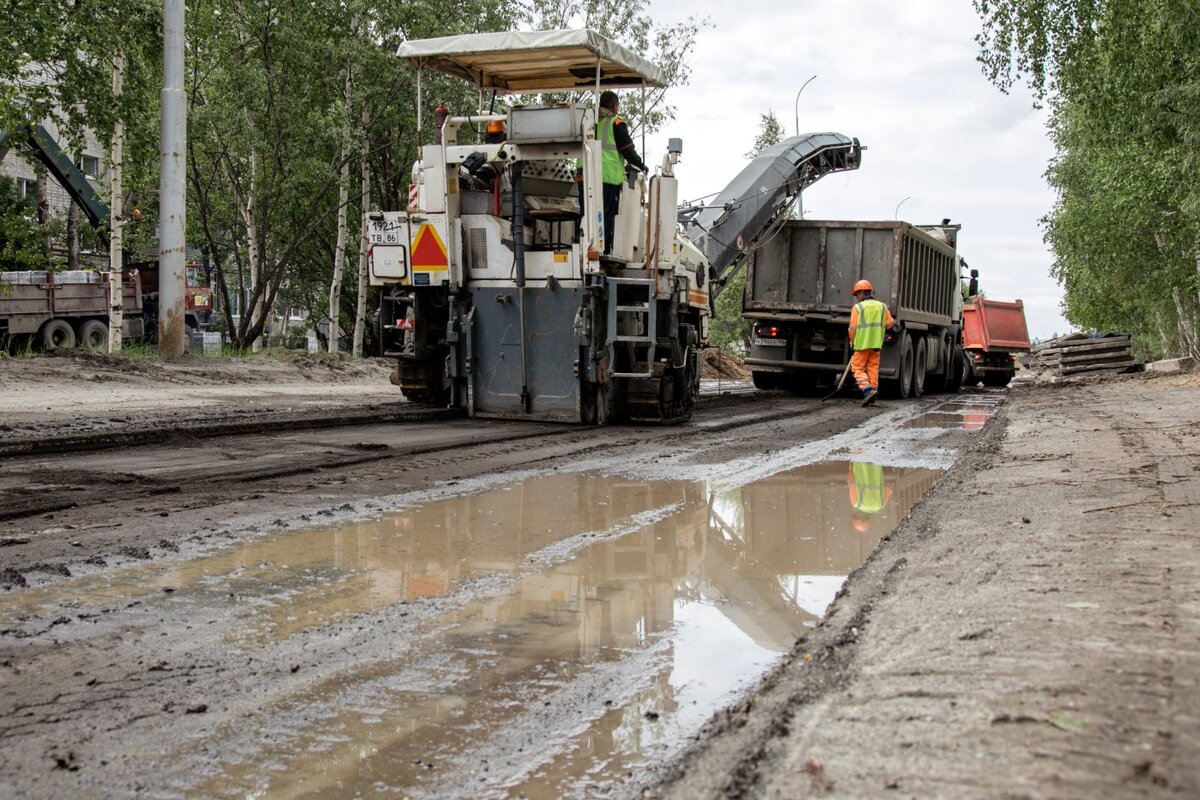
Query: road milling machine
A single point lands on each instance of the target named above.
(499, 295)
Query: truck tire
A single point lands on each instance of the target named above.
(958, 367)
(919, 363)
(901, 386)
(56, 333)
(93, 335)
(766, 381)
(804, 383)
(935, 382)
(997, 379)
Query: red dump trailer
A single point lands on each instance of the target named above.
(994, 331)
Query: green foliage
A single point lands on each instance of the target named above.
(1122, 78)
(770, 133)
(727, 329)
(22, 240)
(628, 22)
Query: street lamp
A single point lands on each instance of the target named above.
(797, 103)
(896, 213)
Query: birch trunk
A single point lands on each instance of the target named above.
(42, 196)
(253, 256)
(339, 255)
(1187, 328)
(73, 236)
(360, 313)
(116, 161)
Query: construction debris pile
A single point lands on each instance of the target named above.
(715, 363)
(1079, 352)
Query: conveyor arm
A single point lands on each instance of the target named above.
(756, 201)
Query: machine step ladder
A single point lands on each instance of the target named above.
(633, 298)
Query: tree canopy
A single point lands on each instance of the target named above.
(1122, 81)
(288, 105)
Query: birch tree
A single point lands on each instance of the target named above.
(364, 197)
(339, 252)
(1122, 80)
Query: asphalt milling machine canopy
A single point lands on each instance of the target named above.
(515, 62)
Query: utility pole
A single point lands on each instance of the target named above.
(172, 204)
(116, 286)
(896, 213)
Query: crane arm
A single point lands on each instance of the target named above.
(68, 175)
(757, 200)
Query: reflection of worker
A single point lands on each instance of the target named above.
(617, 148)
(869, 318)
(868, 493)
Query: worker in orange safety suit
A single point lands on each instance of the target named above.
(869, 319)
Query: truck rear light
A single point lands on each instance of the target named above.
(766, 331)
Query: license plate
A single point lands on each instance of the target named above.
(769, 342)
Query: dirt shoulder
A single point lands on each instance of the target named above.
(1030, 631)
(79, 395)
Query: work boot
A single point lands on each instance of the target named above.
(869, 396)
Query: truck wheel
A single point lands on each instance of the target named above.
(935, 383)
(56, 333)
(803, 383)
(766, 381)
(918, 379)
(997, 379)
(93, 335)
(904, 381)
(958, 366)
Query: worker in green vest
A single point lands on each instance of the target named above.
(618, 150)
(869, 319)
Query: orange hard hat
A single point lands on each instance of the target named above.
(863, 286)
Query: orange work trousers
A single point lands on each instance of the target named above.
(865, 366)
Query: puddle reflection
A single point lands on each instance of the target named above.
(963, 413)
(589, 668)
(662, 601)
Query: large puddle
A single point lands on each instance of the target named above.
(591, 624)
(565, 631)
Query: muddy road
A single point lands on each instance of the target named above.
(429, 607)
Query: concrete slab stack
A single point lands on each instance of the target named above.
(1078, 352)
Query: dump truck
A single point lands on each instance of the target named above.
(798, 296)
(49, 310)
(198, 299)
(501, 296)
(994, 332)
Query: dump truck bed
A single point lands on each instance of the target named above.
(995, 326)
(809, 269)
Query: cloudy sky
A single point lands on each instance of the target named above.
(902, 77)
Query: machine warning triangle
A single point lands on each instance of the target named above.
(428, 250)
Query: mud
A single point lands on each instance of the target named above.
(471, 608)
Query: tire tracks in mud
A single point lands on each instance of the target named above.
(150, 698)
(53, 497)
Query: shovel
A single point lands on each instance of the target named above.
(841, 380)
